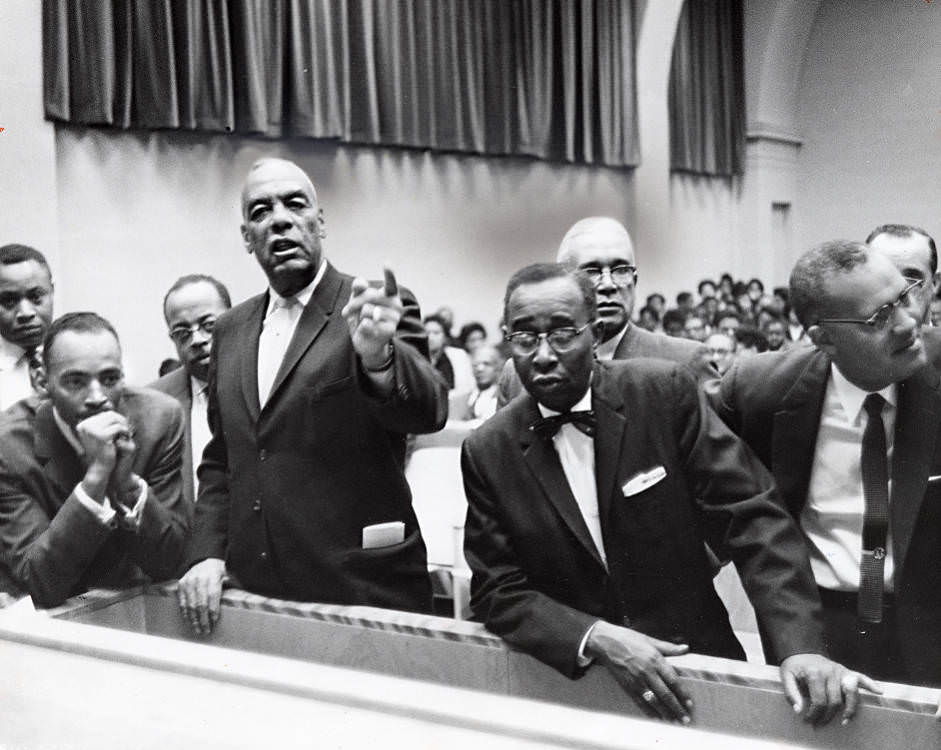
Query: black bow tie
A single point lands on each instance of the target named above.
(547, 427)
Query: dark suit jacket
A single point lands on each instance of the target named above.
(537, 579)
(285, 490)
(51, 546)
(636, 342)
(773, 401)
(177, 384)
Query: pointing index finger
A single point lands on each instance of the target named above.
(391, 286)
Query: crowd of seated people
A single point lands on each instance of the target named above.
(610, 460)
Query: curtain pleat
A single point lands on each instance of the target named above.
(552, 79)
(707, 90)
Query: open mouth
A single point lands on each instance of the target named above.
(284, 249)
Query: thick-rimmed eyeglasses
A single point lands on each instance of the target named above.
(560, 340)
(621, 275)
(881, 317)
(182, 335)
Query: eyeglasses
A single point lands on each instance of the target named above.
(182, 335)
(881, 317)
(525, 343)
(621, 275)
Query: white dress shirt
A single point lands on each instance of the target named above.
(280, 322)
(832, 518)
(483, 404)
(14, 374)
(199, 424)
(577, 455)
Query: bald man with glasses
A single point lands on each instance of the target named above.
(191, 307)
(851, 430)
(601, 248)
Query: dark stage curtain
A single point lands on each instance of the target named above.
(707, 90)
(553, 79)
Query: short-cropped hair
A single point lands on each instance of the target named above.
(14, 253)
(903, 231)
(80, 322)
(196, 278)
(539, 272)
(815, 268)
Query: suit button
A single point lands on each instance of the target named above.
(264, 555)
(626, 621)
(256, 506)
(263, 454)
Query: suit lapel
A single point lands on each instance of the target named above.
(794, 436)
(916, 429)
(541, 458)
(608, 406)
(626, 347)
(315, 316)
(62, 466)
(253, 320)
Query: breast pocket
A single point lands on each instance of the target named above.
(322, 391)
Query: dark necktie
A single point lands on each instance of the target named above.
(34, 363)
(875, 473)
(547, 427)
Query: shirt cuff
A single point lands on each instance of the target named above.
(130, 519)
(102, 511)
(581, 660)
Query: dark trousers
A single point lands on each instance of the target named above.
(872, 649)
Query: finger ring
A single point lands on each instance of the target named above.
(648, 695)
(377, 314)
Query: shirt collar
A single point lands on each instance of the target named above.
(303, 296)
(197, 386)
(584, 404)
(10, 354)
(851, 397)
(605, 350)
(67, 432)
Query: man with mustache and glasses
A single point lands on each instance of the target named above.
(90, 491)
(313, 387)
(191, 307)
(851, 430)
(602, 248)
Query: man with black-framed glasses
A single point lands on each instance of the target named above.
(602, 248)
(191, 307)
(590, 498)
(851, 430)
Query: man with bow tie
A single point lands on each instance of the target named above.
(584, 532)
(25, 314)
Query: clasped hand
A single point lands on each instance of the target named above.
(373, 315)
(109, 450)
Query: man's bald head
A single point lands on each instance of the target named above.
(268, 165)
(593, 231)
(601, 247)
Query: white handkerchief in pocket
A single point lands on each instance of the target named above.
(383, 534)
(934, 478)
(644, 480)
